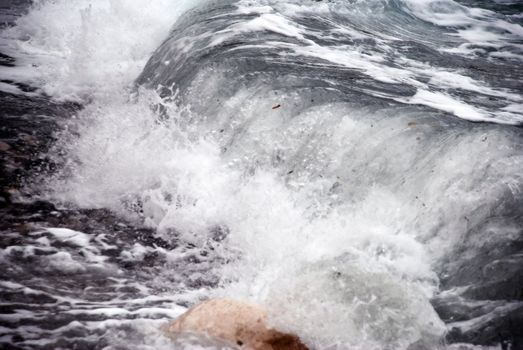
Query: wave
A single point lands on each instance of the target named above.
(317, 156)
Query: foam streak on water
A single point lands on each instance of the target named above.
(317, 158)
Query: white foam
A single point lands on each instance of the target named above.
(137, 252)
(70, 236)
(280, 231)
(447, 103)
(478, 27)
(273, 23)
(64, 262)
(10, 88)
(94, 48)
(89, 255)
(484, 319)
(147, 312)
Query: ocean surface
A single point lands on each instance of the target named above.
(353, 166)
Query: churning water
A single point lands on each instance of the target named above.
(354, 166)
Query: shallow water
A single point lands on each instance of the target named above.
(353, 166)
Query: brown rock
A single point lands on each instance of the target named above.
(235, 322)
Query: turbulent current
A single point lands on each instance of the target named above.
(353, 166)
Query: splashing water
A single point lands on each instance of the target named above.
(316, 158)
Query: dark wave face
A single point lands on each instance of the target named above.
(436, 54)
(355, 167)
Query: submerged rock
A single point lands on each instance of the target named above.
(236, 322)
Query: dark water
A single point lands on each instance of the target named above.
(353, 166)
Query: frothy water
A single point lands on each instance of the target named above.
(316, 158)
(93, 49)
